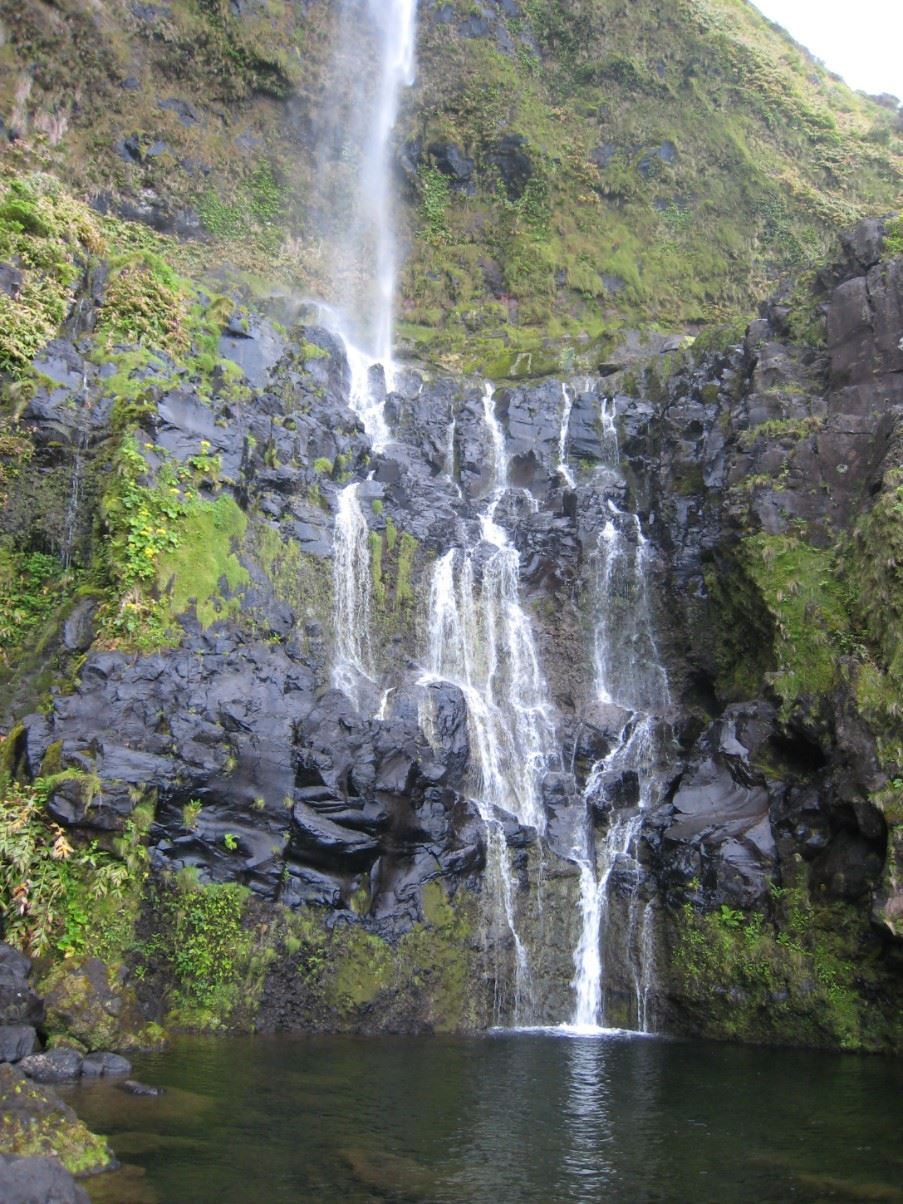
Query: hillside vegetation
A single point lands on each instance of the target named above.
(570, 171)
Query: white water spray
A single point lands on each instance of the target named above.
(629, 675)
(480, 640)
(363, 107)
(351, 598)
(567, 399)
(374, 61)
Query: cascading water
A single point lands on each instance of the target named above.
(480, 640)
(354, 215)
(353, 210)
(567, 398)
(353, 666)
(629, 676)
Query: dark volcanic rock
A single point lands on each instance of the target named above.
(55, 1066)
(102, 1063)
(717, 828)
(17, 1041)
(38, 1181)
(134, 1087)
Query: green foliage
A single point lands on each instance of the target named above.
(50, 888)
(191, 812)
(893, 238)
(48, 237)
(803, 973)
(780, 429)
(621, 231)
(876, 574)
(141, 520)
(167, 548)
(145, 303)
(202, 943)
(32, 586)
(435, 196)
(255, 209)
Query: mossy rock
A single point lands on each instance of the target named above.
(88, 1003)
(34, 1121)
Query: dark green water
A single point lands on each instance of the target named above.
(506, 1117)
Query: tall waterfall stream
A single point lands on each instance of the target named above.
(479, 634)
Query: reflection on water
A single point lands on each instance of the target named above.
(514, 1116)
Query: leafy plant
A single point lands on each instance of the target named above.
(48, 884)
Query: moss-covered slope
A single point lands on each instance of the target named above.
(571, 169)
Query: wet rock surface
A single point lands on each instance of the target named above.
(38, 1181)
(261, 772)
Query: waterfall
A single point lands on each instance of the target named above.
(74, 501)
(353, 213)
(351, 598)
(480, 640)
(628, 675)
(567, 398)
(352, 209)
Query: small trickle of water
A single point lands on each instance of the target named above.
(353, 663)
(567, 397)
(73, 502)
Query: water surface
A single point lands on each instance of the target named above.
(507, 1117)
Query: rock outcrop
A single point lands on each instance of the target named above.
(201, 694)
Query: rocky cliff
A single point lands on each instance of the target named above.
(244, 783)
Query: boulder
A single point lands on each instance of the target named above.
(59, 1065)
(38, 1180)
(102, 1063)
(17, 1041)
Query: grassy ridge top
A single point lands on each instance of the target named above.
(569, 171)
(682, 158)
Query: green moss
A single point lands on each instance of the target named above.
(376, 569)
(804, 973)
(404, 593)
(302, 581)
(204, 569)
(363, 968)
(202, 948)
(780, 617)
(34, 1122)
(347, 974)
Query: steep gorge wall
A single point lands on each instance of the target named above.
(194, 716)
(213, 834)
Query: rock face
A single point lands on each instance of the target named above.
(743, 466)
(38, 1181)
